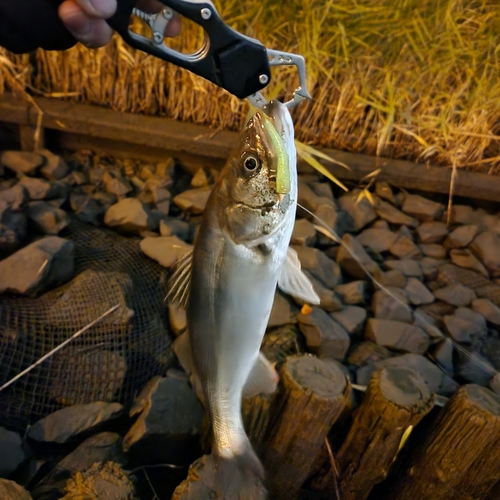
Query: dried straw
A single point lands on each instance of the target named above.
(412, 79)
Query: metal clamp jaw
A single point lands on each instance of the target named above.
(235, 62)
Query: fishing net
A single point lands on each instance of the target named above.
(109, 362)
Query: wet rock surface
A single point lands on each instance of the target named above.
(444, 302)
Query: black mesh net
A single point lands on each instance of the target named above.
(109, 362)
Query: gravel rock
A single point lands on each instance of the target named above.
(48, 219)
(12, 452)
(396, 335)
(329, 301)
(461, 214)
(161, 199)
(15, 197)
(41, 189)
(283, 312)
(352, 293)
(352, 318)
(464, 258)
(430, 267)
(167, 429)
(394, 216)
(488, 310)
(418, 293)
(13, 227)
(421, 208)
(392, 278)
(319, 265)
(474, 368)
(22, 162)
(384, 306)
(166, 250)
(433, 250)
(175, 227)
(193, 201)
(86, 208)
(377, 240)
(55, 168)
(360, 210)
(404, 247)
(202, 178)
(116, 184)
(9, 490)
(349, 264)
(72, 421)
(307, 197)
(384, 191)
(338, 221)
(177, 319)
(461, 236)
(38, 267)
(432, 232)
(130, 216)
(443, 354)
(324, 336)
(456, 295)
(367, 352)
(486, 248)
(304, 233)
(408, 267)
(464, 325)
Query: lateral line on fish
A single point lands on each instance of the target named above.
(325, 230)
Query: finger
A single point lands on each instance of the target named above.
(98, 8)
(91, 31)
(152, 6)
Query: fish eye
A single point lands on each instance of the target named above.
(251, 163)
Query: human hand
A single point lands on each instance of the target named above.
(85, 19)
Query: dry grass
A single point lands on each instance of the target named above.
(413, 79)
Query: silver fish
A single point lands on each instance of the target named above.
(228, 286)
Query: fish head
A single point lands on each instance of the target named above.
(259, 182)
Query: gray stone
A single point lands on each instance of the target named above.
(464, 258)
(384, 191)
(15, 197)
(166, 250)
(324, 336)
(193, 201)
(461, 236)
(283, 311)
(350, 264)
(22, 162)
(384, 306)
(116, 184)
(494, 384)
(55, 167)
(432, 232)
(433, 250)
(329, 301)
(48, 219)
(428, 323)
(352, 293)
(177, 319)
(461, 214)
(404, 247)
(443, 354)
(380, 224)
(72, 421)
(104, 199)
(38, 267)
(86, 208)
(337, 221)
(488, 310)
(408, 267)
(323, 190)
(352, 318)
(418, 293)
(175, 227)
(307, 197)
(359, 208)
(396, 335)
(474, 368)
(161, 199)
(456, 295)
(421, 208)
(202, 178)
(486, 247)
(40, 189)
(304, 233)
(13, 227)
(377, 240)
(130, 216)
(392, 278)
(464, 325)
(75, 178)
(167, 429)
(12, 452)
(367, 352)
(430, 267)
(319, 265)
(165, 170)
(392, 215)
(9, 490)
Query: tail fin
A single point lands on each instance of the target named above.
(239, 477)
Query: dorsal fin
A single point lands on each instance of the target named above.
(180, 281)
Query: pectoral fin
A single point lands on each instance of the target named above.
(263, 378)
(180, 282)
(294, 282)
